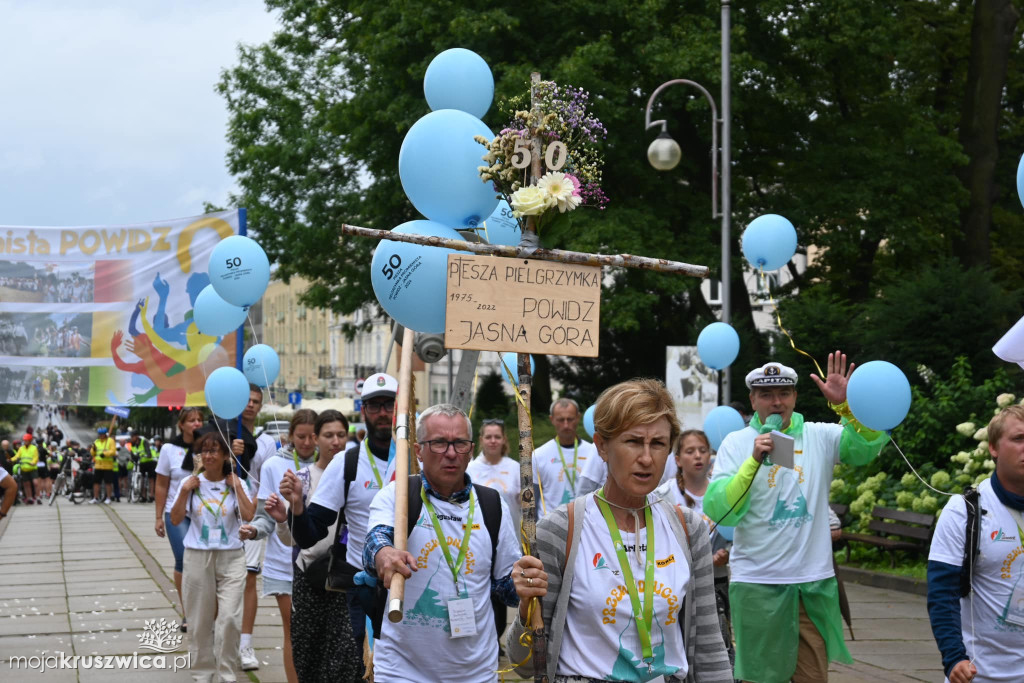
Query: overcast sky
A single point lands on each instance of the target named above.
(108, 113)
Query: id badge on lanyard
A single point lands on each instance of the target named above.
(1015, 608)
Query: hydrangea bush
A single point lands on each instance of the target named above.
(949, 472)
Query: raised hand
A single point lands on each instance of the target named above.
(275, 507)
(833, 388)
(161, 287)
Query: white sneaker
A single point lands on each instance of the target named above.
(107, 501)
(93, 501)
(249, 660)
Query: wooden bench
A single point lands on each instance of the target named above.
(895, 530)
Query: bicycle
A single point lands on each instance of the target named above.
(65, 483)
(138, 483)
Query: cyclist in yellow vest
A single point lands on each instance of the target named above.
(148, 456)
(27, 460)
(104, 452)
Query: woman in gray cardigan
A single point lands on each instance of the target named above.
(626, 577)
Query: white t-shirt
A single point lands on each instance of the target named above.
(266, 448)
(214, 515)
(784, 537)
(277, 561)
(409, 649)
(698, 502)
(601, 638)
(3, 474)
(999, 569)
(557, 483)
(503, 478)
(169, 465)
(331, 495)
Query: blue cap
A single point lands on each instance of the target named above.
(101, 430)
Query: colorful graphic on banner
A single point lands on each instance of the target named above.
(693, 385)
(103, 315)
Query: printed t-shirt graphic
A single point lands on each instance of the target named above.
(780, 539)
(425, 627)
(214, 514)
(557, 482)
(599, 596)
(999, 570)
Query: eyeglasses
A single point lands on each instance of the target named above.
(494, 421)
(440, 446)
(374, 408)
(211, 451)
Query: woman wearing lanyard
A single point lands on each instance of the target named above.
(216, 500)
(169, 474)
(323, 648)
(614, 606)
(495, 469)
(299, 454)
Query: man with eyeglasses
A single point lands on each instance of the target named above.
(452, 566)
(557, 465)
(783, 590)
(373, 469)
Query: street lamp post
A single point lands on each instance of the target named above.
(664, 154)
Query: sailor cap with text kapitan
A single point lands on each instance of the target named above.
(771, 375)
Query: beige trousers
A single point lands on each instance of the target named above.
(212, 585)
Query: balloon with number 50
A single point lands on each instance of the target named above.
(239, 270)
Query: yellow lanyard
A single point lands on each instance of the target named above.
(373, 463)
(575, 452)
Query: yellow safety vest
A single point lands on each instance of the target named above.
(106, 451)
(28, 456)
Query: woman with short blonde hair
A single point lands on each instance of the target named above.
(616, 564)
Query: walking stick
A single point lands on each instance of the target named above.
(397, 597)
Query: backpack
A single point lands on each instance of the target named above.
(972, 539)
(490, 506)
(336, 572)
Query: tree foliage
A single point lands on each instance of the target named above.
(847, 118)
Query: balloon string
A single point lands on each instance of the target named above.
(472, 398)
(778, 318)
(529, 417)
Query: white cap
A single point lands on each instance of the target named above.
(1011, 347)
(380, 384)
(771, 375)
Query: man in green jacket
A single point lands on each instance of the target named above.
(784, 595)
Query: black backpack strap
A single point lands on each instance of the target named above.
(351, 467)
(490, 506)
(972, 539)
(415, 502)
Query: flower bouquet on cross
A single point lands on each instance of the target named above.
(570, 164)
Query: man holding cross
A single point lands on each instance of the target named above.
(452, 566)
(783, 591)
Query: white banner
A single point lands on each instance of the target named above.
(693, 385)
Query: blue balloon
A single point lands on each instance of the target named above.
(260, 365)
(879, 395)
(227, 392)
(214, 316)
(769, 242)
(717, 345)
(459, 79)
(588, 421)
(239, 270)
(1020, 180)
(721, 422)
(511, 361)
(438, 167)
(411, 280)
(501, 227)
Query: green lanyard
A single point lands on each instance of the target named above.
(373, 465)
(220, 508)
(457, 565)
(575, 452)
(295, 457)
(645, 621)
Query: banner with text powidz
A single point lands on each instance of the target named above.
(103, 315)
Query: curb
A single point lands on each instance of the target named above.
(865, 577)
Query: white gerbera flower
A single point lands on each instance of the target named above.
(560, 189)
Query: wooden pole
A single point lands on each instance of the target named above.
(405, 399)
(659, 265)
(527, 500)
